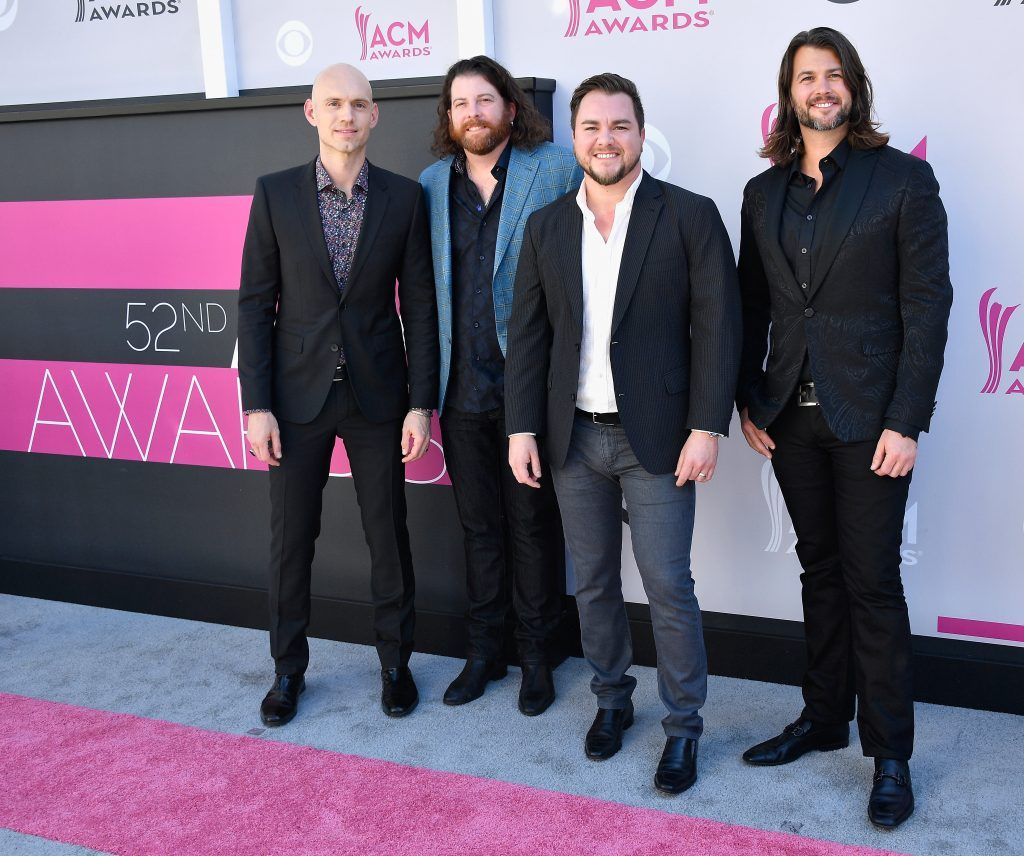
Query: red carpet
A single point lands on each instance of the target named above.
(125, 784)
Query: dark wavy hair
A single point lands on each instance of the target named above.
(529, 129)
(610, 84)
(785, 143)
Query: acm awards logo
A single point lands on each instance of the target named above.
(994, 319)
(611, 17)
(779, 517)
(393, 40)
(93, 11)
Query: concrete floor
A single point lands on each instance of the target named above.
(968, 767)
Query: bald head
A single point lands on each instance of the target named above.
(341, 109)
(341, 78)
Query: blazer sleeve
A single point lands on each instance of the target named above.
(756, 301)
(715, 325)
(529, 345)
(258, 291)
(925, 295)
(418, 306)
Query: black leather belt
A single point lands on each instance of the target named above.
(806, 396)
(600, 418)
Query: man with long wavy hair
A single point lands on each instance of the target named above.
(844, 274)
(496, 169)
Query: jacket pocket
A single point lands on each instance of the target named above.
(676, 380)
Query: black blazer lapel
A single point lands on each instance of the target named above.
(376, 206)
(775, 196)
(309, 215)
(860, 166)
(647, 206)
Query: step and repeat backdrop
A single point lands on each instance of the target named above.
(117, 330)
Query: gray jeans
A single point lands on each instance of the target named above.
(599, 473)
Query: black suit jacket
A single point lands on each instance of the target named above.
(292, 320)
(874, 317)
(675, 325)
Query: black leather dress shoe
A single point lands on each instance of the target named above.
(604, 738)
(797, 739)
(472, 680)
(892, 796)
(677, 770)
(398, 693)
(282, 702)
(537, 691)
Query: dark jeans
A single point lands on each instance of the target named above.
(513, 538)
(296, 494)
(849, 528)
(599, 473)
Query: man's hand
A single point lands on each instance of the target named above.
(415, 436)
(894, 455)
(697, 459)
(524, 459)
(264, 438)
(757, 439)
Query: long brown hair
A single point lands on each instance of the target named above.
(785, 143)
(529, 129)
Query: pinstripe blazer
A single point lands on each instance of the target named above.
(534, 179)
(676, 330)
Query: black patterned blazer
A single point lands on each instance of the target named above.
(874, 317)
(675, 325)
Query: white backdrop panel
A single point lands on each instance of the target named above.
(72, 50)
(706, 70)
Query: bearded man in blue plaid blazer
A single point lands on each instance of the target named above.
(496, 169)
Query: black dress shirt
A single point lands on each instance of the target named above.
(477, 377)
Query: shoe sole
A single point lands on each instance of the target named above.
(285, 721)
(494, 676)
(625, 727)
(828, 747)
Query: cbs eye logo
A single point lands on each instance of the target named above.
(294, 43)
(8, 12)
(656, 157)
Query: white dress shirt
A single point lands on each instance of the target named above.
(601, 262)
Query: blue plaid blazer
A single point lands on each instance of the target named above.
(534, 179)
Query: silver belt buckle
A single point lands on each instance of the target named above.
(806, 396)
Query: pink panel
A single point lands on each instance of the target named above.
(981, 629)
(187, 242)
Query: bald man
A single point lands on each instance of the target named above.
(321, 355)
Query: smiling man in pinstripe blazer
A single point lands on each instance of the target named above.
(496, 169)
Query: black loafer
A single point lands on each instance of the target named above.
(472, 680)
(892, 795)
(677, 770)
(797, 739)
(537, 691)
(398, 695)
(604, 738)
(282, 702)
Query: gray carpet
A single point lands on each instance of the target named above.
(968, 767)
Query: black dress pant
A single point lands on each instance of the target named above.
(849, 527)
(513, 538)
(296, 497)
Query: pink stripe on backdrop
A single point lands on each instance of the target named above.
(162, 414)
(981, 629)
(136, 786)
(186, 242)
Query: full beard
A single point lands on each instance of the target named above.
(608, 179)
(482, 144)
(803, 116)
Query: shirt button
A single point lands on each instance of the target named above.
(808, 312)
(334, 347)
(482, 258)
(476, 323)
(810, 216)
(803, 285)
(478, 291)
(803, 250)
